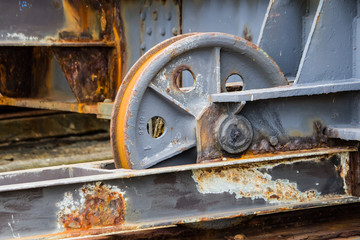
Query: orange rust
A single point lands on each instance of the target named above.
(2, 76)
(123, 116)
(250, 44)
(251, 154)
(118, 76)
(82, 233)
(248, 181)
(102, 207)
(82, 19)
(117, 147)
(318, 17)
(247, 33)
(42, 104)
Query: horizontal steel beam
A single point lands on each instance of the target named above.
(288, 91)
(82, 200)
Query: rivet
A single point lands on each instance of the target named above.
(148, 30)
(174, 31)
(273, 140)
(155, 15)
(162, 31)
(143, 46)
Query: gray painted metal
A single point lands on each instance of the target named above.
(315, 41)
(288, 91)
(240, 18)
(38, 202)
(349, 133)
(211, 58)
(147, 23)
(328, 51)
(285, 30)
(19, 24)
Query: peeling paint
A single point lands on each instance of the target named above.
(253, 182)
(99, 205)
(345, 168)
(22, 37)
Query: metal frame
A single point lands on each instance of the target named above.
(294, 160)
(88, 199)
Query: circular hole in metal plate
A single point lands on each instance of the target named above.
(234, 83)
(156, 127)
(184, 79)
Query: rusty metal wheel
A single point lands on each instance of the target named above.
(157, 109)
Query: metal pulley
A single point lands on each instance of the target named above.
(164, 107)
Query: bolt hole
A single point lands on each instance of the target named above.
(184, 79)
(234, 83)
(324, 131)
(156, 127)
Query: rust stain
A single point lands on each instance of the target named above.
(177, 83)
(251, 182)
(247, 34)
(250, 44)
(318, 140)
(318, 17)
(100, 205)
(87, 72)
(84, 20)
(14, 70)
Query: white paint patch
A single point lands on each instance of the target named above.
(12, 231)
(21, 36)
(250, 182)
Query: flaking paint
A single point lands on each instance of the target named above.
(251, 181)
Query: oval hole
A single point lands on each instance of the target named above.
(185, 80)
(234, 83)
(156, 127)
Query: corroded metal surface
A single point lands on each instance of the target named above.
(256, 182)
(83, 201)
(153, 82)
(12, 75)
(29, 22)
(86, 68)
(87, 71)
(99, 206)
(44, 104)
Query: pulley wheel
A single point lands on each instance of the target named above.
(162, 96)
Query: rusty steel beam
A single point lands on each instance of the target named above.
(61, 50)
(46, 125)
(83, 200)
(45, 104)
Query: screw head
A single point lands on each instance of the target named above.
(273, 140)
(235, 134)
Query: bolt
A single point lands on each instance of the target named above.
(174, 31)
(273, 141)
(143, 46)
(235, 134)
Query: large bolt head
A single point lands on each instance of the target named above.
(235, 134)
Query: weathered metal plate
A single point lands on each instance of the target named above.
(65, 202)
(38, 22)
